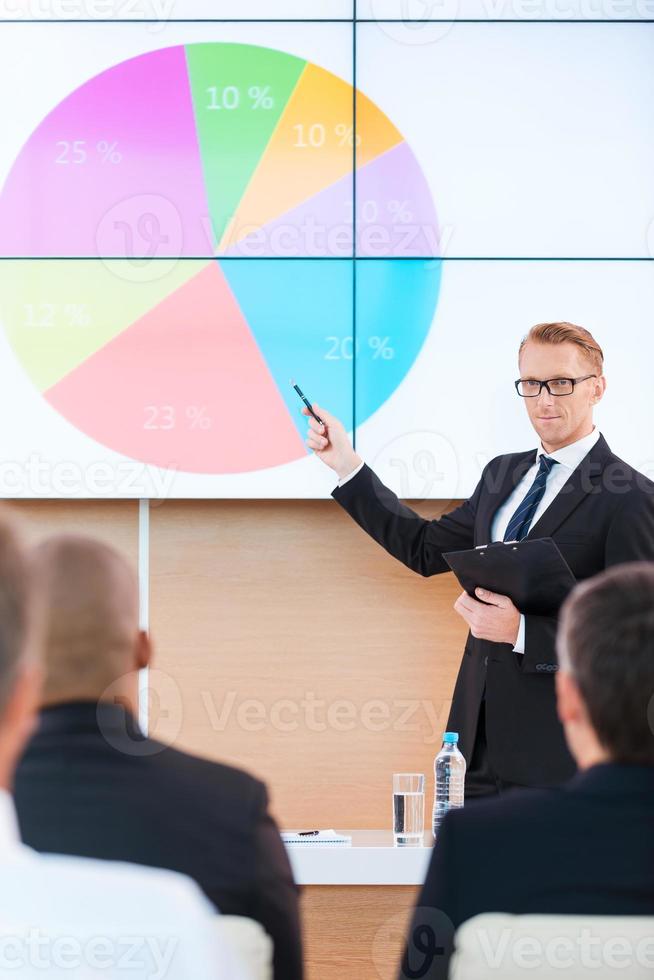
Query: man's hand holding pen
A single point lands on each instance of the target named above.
(330, 442)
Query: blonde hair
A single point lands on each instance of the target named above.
(563, 332)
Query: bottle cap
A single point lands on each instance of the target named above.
(451, 737)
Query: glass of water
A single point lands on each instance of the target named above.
(408, 808)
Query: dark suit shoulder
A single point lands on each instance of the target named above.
(517, 808)
(204, 775)
(505, 463)
(504, 460)
(118, 761)
(630, 508)
(509, 457)
(623, 477)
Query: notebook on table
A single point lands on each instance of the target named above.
(321, 837)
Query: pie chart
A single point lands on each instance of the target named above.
(179, 238)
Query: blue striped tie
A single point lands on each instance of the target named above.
(518, 526)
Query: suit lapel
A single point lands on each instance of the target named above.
(581, 482)
(498, 484)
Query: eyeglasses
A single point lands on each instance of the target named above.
(530, 388)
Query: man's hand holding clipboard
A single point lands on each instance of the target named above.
(490, 616)
(529, 576)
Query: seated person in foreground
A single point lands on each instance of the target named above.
(91, 784)
(68, 916)
(587, 846)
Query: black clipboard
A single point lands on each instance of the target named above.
(533, 573)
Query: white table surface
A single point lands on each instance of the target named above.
(371, 859)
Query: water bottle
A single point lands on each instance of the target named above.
(449, 779)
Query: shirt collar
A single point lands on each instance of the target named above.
(9, 834)
(571, 456)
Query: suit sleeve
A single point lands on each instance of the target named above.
(540, 645)
(274, 897)
(415, 541)
(430, 939)
(630, 538)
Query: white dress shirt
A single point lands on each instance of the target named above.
(66, 916)
(568, 459)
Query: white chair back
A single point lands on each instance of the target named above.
(251, 945)
(549, 947)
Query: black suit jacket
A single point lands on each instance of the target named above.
(583, 848)
(89, 784)
(603, 515)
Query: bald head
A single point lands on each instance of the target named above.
(92, 617)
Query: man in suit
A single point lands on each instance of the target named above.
(69, 916)
(598, 510)
(586, 847)
(91, 784)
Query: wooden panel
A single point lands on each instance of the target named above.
(355, 931)
(302, 651)
(114, 521)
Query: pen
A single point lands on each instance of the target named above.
(307, 833)
(306, 401)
